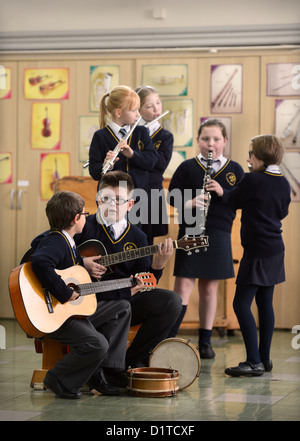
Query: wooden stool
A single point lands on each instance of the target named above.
(53, 351)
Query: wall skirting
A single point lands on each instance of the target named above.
(231, 36)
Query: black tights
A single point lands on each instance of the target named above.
(243, 299)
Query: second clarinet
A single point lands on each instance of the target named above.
(117, 149)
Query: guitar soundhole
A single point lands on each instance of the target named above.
(75, 287)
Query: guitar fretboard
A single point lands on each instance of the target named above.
(135, 253)
(109, 285)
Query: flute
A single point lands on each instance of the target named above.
(148, 124)
(117, 149)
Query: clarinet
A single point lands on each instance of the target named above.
(206, 179)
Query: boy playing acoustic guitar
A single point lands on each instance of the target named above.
(155, 311)
(98, 340)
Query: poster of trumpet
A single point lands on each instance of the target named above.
(5, 168)
(102, 80)
(50, 84)
(45, 126)
(226, 88)
(5, 83)
(179, 121)
(87, 127)
(53, 166)
(290, 167)
(168, 79)
(283, 79)
(287, 122)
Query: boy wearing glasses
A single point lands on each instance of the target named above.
(98, 339)
(155, 311)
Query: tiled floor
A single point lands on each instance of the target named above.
(212, 397)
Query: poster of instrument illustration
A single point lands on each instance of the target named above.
(290, 167)
(168, 79)
(5, 168)
(50, 84)
(102, 80)
(53, 166)
(5, 82)
(226, 88)
(283, 79)
(87, 127)
(179, 120)
(45, 126)
(287, 122)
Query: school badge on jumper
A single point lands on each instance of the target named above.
(129, 246)
(231, 178)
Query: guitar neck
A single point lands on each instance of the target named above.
(85, 289)
(135, 253)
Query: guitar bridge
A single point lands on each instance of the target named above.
(48, 300)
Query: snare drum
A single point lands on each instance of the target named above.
(152, 382)
(178, 354)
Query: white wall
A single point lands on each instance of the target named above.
(68, 15)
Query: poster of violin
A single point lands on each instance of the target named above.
(45, 126)
(48, 83)
(53, 166)
(226, 88)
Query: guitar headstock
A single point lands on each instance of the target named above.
(149, 281)
(190, 243)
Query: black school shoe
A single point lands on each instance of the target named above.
(246, 369)
(99, 383)
(206, 351)
(52, 382)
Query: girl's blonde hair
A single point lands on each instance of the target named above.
(144, 91)
(120, 97)
(267, 148)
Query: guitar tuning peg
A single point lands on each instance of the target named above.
(189, 253)
(197, 251)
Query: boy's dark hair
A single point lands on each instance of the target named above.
(268, 148)
(62, 208)
(114, 178)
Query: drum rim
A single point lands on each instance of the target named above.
(191, 346)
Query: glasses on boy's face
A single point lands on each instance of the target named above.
(109, 200)
(84, 213)
(250, 153)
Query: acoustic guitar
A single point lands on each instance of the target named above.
(95, 247)
(39, 313)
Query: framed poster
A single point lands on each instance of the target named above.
(5, 168)
(287, 122)
(102, 80)
(290, 167)
(87, 127)
(168, 79)
(179, 120)
(226, 88)
(53, 166)
(5, 83)
(49, 83)
(283, 79)
(45, 126)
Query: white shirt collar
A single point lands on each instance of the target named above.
(116, 128)
(217, 164)
(273, 168)
(70, 239)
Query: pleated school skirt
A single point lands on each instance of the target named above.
(266, 271)
(214, 264)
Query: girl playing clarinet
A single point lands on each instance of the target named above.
(216, 263)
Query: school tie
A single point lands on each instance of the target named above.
(111, 231)
(123, 132)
